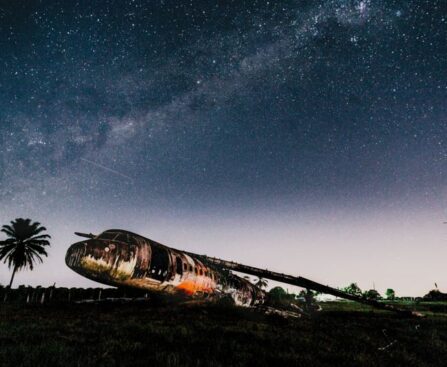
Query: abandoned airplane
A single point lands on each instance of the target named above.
(124, 259)
(121, 258)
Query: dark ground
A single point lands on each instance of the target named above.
(215, 335)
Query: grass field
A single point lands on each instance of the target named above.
(344, 334)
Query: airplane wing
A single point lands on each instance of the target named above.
(305, 283)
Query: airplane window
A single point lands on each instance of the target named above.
(178, 266)
(159, 262)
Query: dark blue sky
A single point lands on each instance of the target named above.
(212, 105)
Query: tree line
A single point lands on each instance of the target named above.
(355, 290)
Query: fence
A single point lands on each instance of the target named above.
(41, 295)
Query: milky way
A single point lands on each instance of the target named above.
(215, 105)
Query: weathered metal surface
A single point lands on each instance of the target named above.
(122, 258)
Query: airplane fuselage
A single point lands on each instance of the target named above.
(124, 259)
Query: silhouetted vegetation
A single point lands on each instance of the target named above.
(24, 246)
(436, 295)
(261, 283)
(305, 301)
(278, 294)
(278, 297)
(353, 288)
(390, 294)
(137, 334)
(372, 294)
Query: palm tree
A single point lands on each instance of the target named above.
(24, 246)
(261, 283)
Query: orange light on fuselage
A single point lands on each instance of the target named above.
(191, 286)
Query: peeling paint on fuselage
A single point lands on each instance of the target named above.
(121, 258)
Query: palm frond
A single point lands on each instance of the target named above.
(37, 250)
(37, 242)
(42, 236)
(6, 242)
(7, 227)
(8, 230)
(39, 230)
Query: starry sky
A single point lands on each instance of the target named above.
(308, 137)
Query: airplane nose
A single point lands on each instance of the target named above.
(75, 253)
(102, 260)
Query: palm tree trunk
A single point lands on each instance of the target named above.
(12, 277)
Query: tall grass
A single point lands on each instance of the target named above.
(213, 335)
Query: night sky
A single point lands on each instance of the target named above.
(308, 137)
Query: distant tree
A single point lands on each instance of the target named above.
(24, 246)
(372, 294)
(436, 295)
(354, 289)
(277, 293)
(390, 294)
(261, 283)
